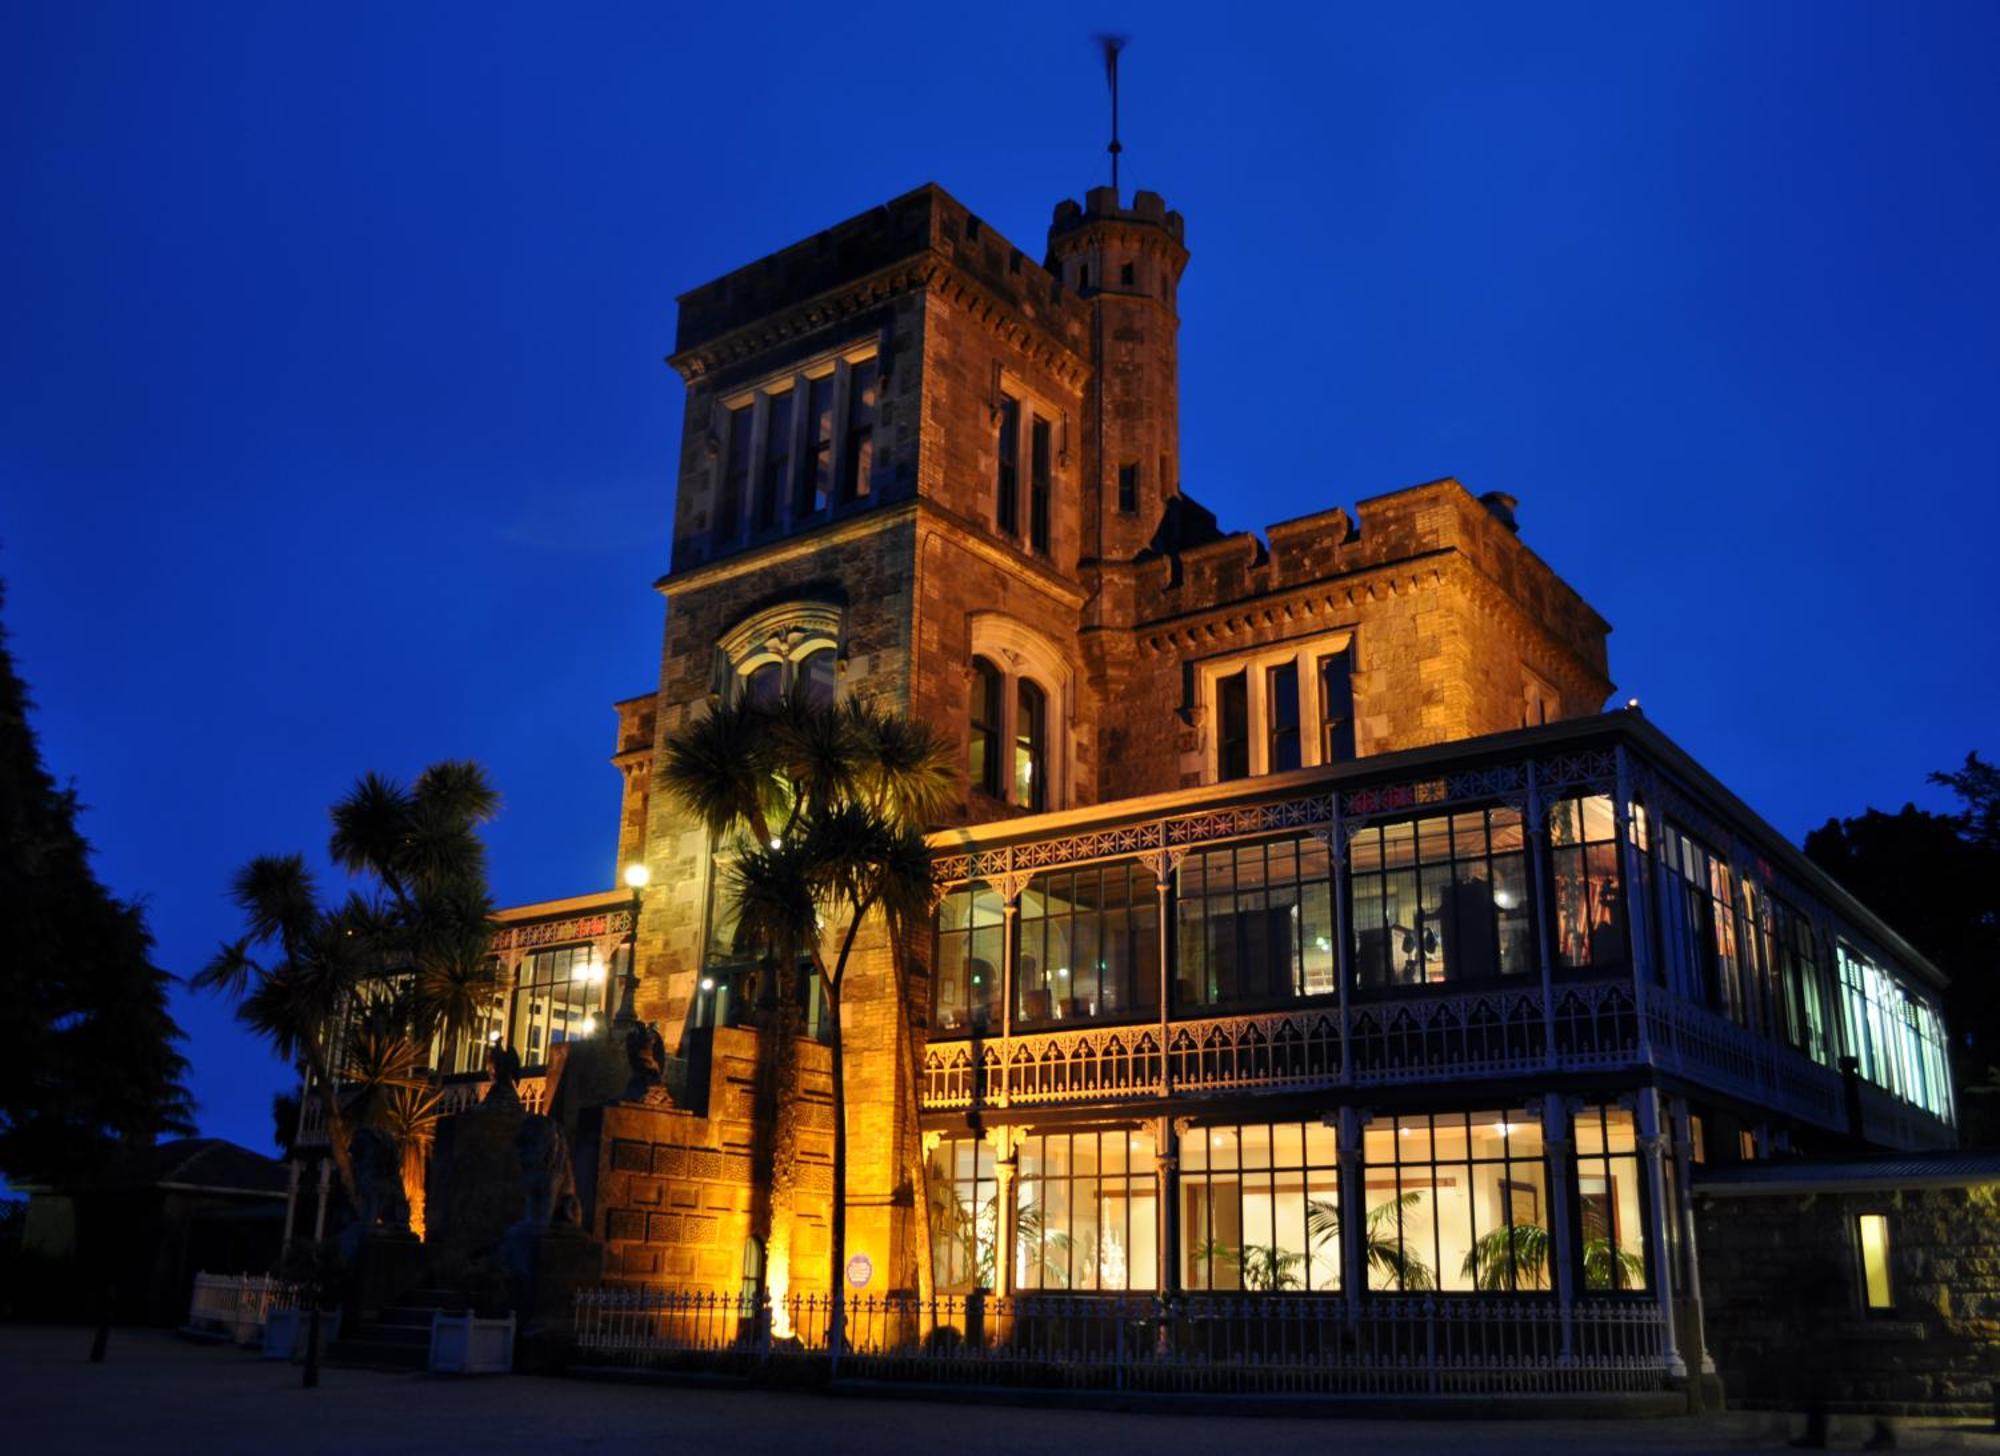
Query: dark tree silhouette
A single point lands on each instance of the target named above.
(89, 1059)
(1936, 879)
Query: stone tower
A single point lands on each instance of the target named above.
(1126, 263)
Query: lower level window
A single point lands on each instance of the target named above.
(1872, 1234)
(1260, 1208)
(1456, 1201)
(965, 1213)
(1609, 1209)
(1086, 1212)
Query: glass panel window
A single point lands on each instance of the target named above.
(984, 739)
(1609, 1207)
(968, 960)
(1087, 945)
(1086, 1211)
(1031, 778)
(735, 487)
(1336, 706)
(1895, 1037)
(777, 459)
(1698, 925)
(1254, 924)
(1260, 1208)
(1456, 1201)
(816, 481)
(1040, 484)
(858, 463)
(1007, 486)
(465, 1049)
(1587, 886)
(965, 1214)
(1797, 952)
(1441, 899)
(1281, 706)
(557, 996)
(1232, 727)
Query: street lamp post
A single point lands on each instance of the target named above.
(627, 1019)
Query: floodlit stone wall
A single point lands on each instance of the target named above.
(1783, 1299)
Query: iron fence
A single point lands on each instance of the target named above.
(1303, 1344)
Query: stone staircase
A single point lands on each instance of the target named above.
(398, 1337)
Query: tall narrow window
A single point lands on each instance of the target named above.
(1872, 1233)
(1038, 486)
(816, 481)
(1232, 728)
(987, 685)
(1589, 902)
(1007, 489)
(1031, 778)
(728, 513)
(1281, 707)
(1128, 488)
(1336, 706)
(777, 459)
(859, 462)
(1608, 1200)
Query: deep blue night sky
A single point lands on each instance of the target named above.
(334, 433)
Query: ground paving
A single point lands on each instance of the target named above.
(163, 1396)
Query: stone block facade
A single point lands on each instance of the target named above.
(1785, 1302)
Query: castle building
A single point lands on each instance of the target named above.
(1291, 874)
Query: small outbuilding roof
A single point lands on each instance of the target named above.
(1849, 1175)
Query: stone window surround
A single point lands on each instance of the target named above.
(1021, 652)
(793, 380)
(1033, 404)
(1306, 652)
(787, 634)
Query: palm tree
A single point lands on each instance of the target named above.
(353, 992)
(1383, 1253)
(824, 809)
(1517, 1257)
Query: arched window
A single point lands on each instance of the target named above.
(988, 683)
(1021, 702)
(1031, 737)
(794, 648)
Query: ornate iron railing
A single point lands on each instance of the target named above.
(1305, 1344)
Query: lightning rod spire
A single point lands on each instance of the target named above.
(1112, 45)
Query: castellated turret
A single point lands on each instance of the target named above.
(1127, 263)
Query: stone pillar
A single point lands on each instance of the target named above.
(1558, 1155)
(1652, 1152)
(1348, 1124)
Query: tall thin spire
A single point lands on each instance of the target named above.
(1112, 45)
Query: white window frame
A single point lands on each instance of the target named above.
(795, 382)
(1019, 651)
(1306, 654)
